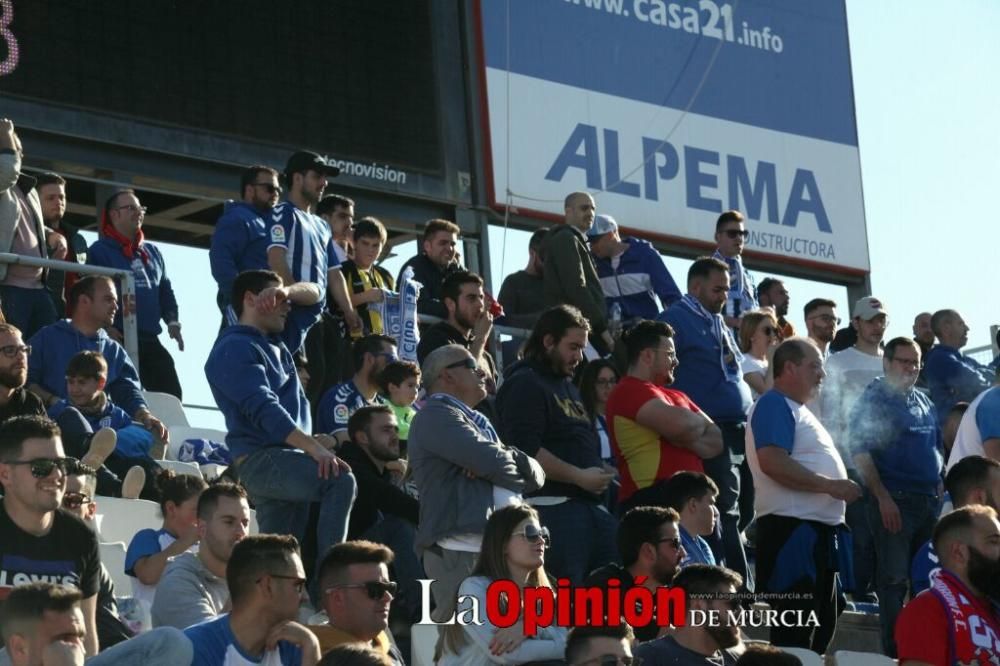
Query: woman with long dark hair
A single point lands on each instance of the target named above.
(597, 380)
(514, 544)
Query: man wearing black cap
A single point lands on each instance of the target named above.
(301, 248)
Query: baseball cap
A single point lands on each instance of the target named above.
(603, 224)
(309, 161)
(868, 308)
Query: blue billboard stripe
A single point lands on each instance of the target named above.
(784, 64)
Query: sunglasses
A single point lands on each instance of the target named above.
(533, 534)
(736, 233)
(300, 583)
(11, 351)
(673, 541)
(42, 467)
(269, 187)
(375, 589)
(468, 363)
(75, 500)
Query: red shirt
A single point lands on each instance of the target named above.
(645, 458)
(923, 626)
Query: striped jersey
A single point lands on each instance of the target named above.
(308, 241)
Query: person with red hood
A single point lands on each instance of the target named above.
(123, 245)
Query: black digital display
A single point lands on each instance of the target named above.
(353, 78)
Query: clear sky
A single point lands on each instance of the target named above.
(926, 100)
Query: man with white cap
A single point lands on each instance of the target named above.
(632, 272)
(848, 373)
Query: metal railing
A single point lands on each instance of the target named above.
(127, 297)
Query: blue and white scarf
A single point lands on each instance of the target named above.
(742, 291)
(398, 310)
(724, 336)
(486, 428)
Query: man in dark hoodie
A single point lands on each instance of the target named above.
(253, 379)
(541, 412)
(240, 240)
(570, 275)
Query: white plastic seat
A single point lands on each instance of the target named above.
(123, 518)
(113, 559)
(180, 434)
(807, 657)
(181, 467)
(167, 408)
(850, 658)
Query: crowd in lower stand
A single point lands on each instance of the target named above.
(635, 436)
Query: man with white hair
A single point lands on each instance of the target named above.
(462, 471)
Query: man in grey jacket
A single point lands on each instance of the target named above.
(195, 583)
(462, 471)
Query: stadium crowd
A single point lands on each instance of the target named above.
(642, 435)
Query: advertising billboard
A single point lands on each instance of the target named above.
(670, 112)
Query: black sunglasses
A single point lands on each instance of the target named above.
(42, 467)
(533, 534)
(75, 500)
(269, 187)
(673, 541)
(375, 589)
(736, 233)
(468, 363)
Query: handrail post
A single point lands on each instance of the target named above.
(129, 321)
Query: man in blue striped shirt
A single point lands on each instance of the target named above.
(301, 249)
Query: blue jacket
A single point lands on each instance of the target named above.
(239, 244)
(700, 373)
(255, 385)
(134, 441)
(953, 377)
(902, 434)
(154, 297)
(640, 276)
(53, 347)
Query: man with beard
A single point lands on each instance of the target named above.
(730, 237)
(193, 588)
(973, 480)
(649, 545)
(438, 257)
(802, 491)
(383, 512)
(898, 443)
(239, 242)
(951, 375)
(468, 324)
(713, 641)
(709, 373)
(655, 431)
(570, 275)
(541, 411)
(301, 249)
(370, 355)
(956, 621)
(462, 470)
(773, 294)
(821, 323)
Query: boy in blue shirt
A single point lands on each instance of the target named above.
(692, 495)
(86, 377)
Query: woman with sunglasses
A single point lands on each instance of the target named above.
(514, 544)
(758, 340)
(597, 381)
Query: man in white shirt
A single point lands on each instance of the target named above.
(848, 373)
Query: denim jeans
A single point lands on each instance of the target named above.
(584, 537)
(399, 535)
(165, 646)
(28, 309)
(724, 469)
(856, 518)
(894, 553)
(282, 481)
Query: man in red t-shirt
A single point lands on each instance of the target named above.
(655, 431)
(956, 620)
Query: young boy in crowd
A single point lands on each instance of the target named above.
(86, 376)
(398, 384)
